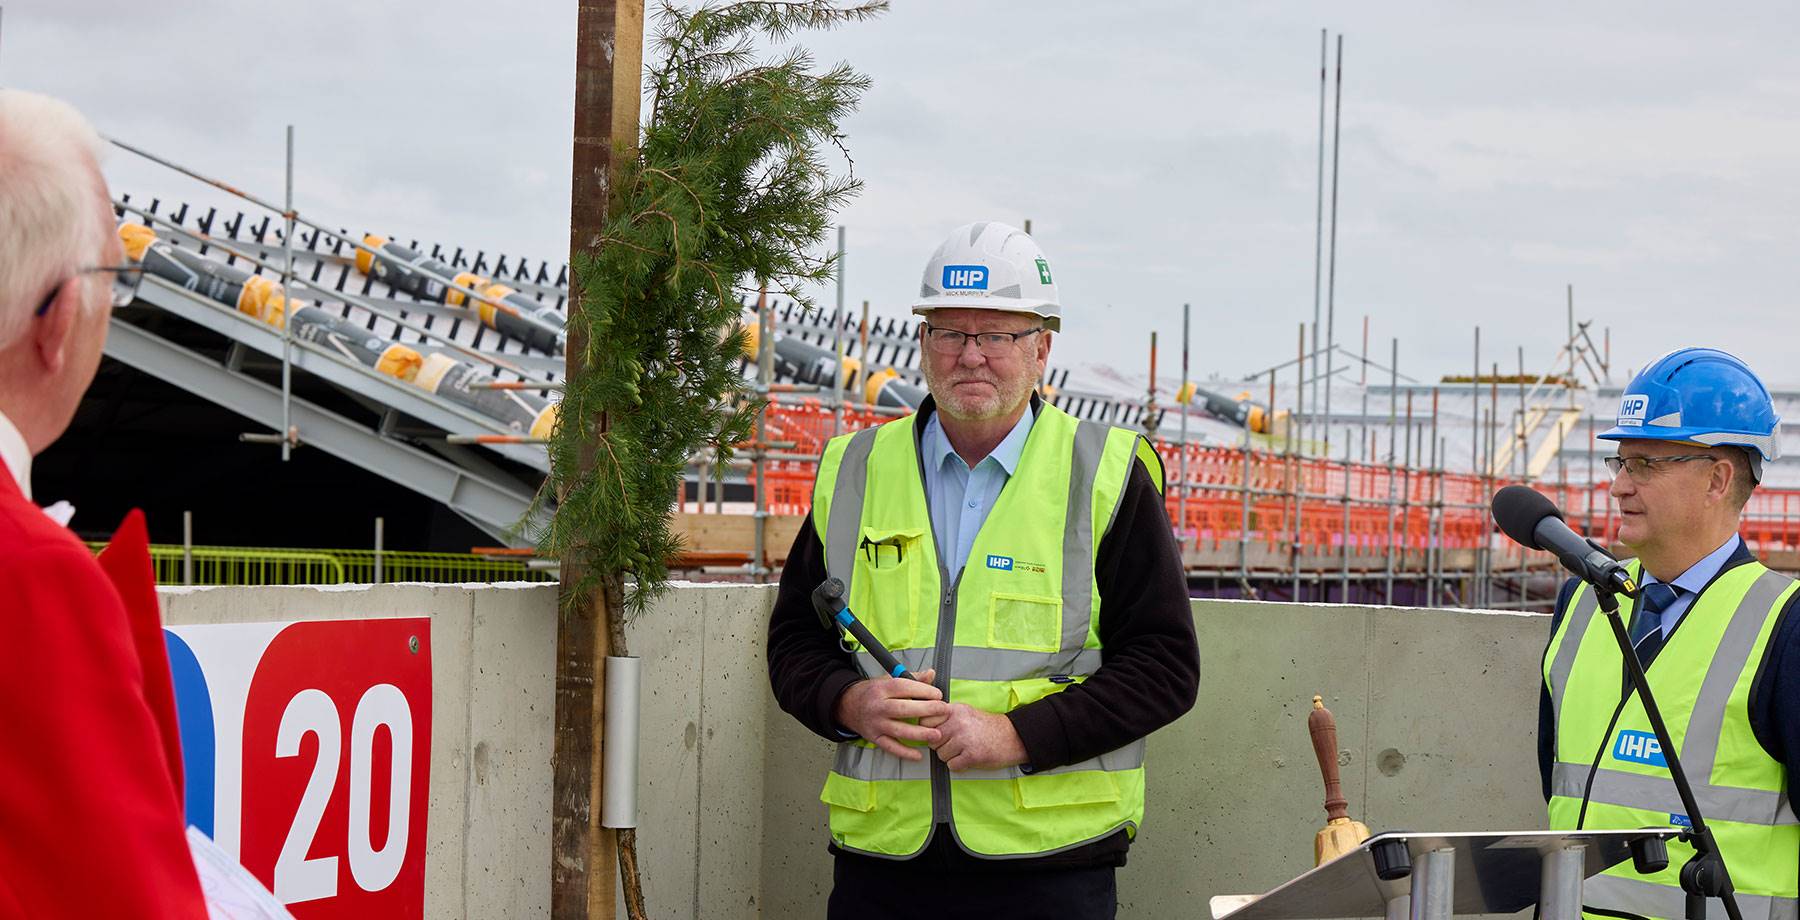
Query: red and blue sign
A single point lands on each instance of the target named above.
(307, 753)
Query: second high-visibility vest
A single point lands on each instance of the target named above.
(1702, 679)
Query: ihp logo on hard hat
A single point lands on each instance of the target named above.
(965, 278)
(1640, 747)
(1632, 409)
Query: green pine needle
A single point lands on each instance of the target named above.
(728, 191)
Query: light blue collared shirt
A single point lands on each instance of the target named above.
(960, 498)
(1698, 576)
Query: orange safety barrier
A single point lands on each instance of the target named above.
(1338, 504)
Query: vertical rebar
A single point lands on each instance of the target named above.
(1365, 350)
(862, 352)
(1150, 393)
(1434, 563)
(187, 547)
(1571, 334)
(380, 549)
(700, 487)
(1524, 445)
(1393, 420)
(1181, 493)
(1298, 469)
(1479, 589)
(837, 344)
(1493, 459)
(1406, 487)
(765, 374)
(287, 332)
(1244, 518)
(1337, 124)
(1592, 479)
(1319, 218)
(1344, 546)
(1475, 410)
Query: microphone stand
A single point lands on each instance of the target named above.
(1705, 875)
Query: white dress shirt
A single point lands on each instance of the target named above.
(15, 454)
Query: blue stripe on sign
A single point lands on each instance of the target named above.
(193, 713)
(844, 617)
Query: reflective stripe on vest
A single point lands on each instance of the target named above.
(1703, 677)
(1028, 605)
(1652, 900)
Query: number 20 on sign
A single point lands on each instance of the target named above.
(307, 751)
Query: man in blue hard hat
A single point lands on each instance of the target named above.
(1711, 626)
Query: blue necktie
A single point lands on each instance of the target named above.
(1646, 624)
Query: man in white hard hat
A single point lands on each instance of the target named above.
(1020, 562)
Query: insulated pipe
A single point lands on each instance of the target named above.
(252, 295)
(618, 796)
(887, 389)
(797, 359)
(538, 325)
(261, 298)
(462, 383)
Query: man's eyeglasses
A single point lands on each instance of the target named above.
(1640, 467)
(992, 344)
(124, 286)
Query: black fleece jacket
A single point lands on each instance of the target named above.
(1149, 673)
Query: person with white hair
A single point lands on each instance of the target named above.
(90, 809)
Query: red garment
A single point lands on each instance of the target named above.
(90, 820)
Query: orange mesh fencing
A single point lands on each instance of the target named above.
(1322, 505)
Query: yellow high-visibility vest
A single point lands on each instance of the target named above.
(1017, 625)
(1702, 679)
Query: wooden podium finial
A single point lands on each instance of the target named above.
(1340, 834)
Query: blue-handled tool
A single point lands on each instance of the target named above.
(828, 602)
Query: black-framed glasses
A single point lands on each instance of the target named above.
(992, 344)
(1639, 467)
(124, 286)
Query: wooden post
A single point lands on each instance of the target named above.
(609, 65)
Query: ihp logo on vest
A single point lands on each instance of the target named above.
(1009, 564)
(965, 277)
(1640, 747)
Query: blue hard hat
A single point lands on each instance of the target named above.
(1701, 395)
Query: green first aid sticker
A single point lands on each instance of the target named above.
(1043, 271)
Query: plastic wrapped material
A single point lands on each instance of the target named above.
(340, 336)
(400, 268)
(536, 324)
(522, 411)
(252, 295)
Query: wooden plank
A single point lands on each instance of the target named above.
(736, 533)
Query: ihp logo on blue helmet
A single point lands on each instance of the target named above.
(1633, 409)
(1640, 747)
(1003, 563)
(965, 277)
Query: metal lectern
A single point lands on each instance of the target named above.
(1408, 876)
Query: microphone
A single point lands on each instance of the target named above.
(1533, 521)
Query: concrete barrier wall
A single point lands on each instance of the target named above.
(1436, 715)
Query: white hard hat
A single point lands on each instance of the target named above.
(990, 266)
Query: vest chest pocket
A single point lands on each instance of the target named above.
(890, 565)
(1026, 622)
(1059, 790)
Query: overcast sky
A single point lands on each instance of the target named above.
(1165, 152)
